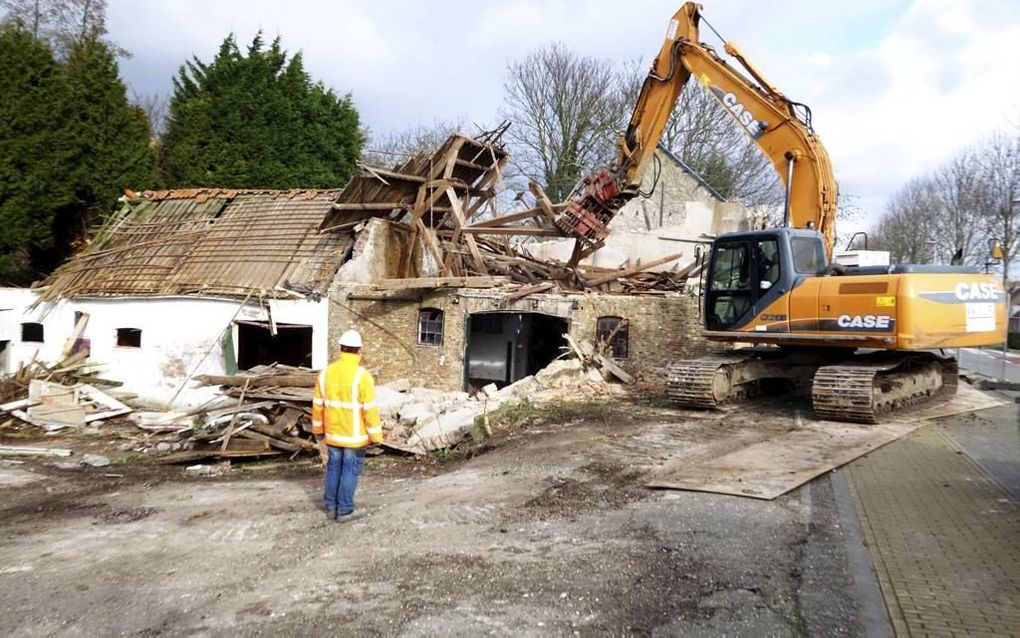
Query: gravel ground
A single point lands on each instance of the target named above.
(550, 531)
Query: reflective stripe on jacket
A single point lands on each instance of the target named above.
(343, 404)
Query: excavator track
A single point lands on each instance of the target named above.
(863, 391)
(706, 382)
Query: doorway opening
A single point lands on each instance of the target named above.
(503, 347)
(256, 344)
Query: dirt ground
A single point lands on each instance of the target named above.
(549, 531)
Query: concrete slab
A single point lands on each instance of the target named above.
(771, 468)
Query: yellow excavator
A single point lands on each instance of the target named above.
(869, 339)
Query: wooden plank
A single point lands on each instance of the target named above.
(279, 444)
(610, 366)
(372, 205)
(426, 238)
(507, 219)
(234, 409)
(269, 431)
(544, 204)
(288, 379)
(286, 421)
(458, 215)
(440, 282)
(524, 291)
(520, 230)
(79, 327)
(633, 270)
(18, 450)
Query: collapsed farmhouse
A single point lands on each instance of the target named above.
(446, 288)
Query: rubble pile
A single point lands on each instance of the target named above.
(266, 411)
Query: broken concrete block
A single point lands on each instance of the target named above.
(95, 460)
(425, 394)
(490, 390)
(520, 389)
(554, 374)
(410, 413)
(399, 385)
(445, 430)
(390, 401)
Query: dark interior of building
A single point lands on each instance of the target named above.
(256, 345)
(503, 347)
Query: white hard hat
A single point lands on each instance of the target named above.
(351, 339)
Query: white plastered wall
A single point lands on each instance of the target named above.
(181, 337)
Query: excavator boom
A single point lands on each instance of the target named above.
(781, 129)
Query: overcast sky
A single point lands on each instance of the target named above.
(896, 86)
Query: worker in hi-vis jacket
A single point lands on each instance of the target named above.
(345, 420)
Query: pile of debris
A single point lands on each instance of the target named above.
(267, 411)
(445, 204)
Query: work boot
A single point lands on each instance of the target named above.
(349, 516)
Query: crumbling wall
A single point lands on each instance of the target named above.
(662, 329)
(389, 330)
(376, 253)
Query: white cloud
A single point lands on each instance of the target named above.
(896, 86)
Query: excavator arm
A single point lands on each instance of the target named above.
(781, 129)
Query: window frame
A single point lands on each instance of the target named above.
(431, 329)
(818, 251)
(619, 347)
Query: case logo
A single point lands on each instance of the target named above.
(880, 322)
(970, 291)
(753, 127)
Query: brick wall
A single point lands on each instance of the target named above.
(662, 329)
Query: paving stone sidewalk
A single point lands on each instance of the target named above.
(943, 538)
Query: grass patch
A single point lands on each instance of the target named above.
(511, 417)
(133, 458)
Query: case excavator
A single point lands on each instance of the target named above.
(866, 340)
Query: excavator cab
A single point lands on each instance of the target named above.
(749, 271)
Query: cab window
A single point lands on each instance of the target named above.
(730, 271)
(768, 263)
(808, 255)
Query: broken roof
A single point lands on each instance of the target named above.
(209, 241)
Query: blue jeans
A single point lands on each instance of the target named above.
(342, 471)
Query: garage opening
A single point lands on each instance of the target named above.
(503, 347)
(256, 344)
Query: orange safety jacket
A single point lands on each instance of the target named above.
(343, 404)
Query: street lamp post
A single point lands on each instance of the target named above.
(1009, 296)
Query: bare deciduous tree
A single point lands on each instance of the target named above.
(566, 111)
(61, 23)
(396, 147)
(957, 223)
(960, 206)
(998, 161)
(905, 228)
(156, 107)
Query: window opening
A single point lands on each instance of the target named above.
(430, 327)
(129, 337)
(32, 332)
(615, 332)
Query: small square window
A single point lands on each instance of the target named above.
(32, 332)
(129, 337)
(430, 327)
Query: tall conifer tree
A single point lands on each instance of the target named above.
(256, 119)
